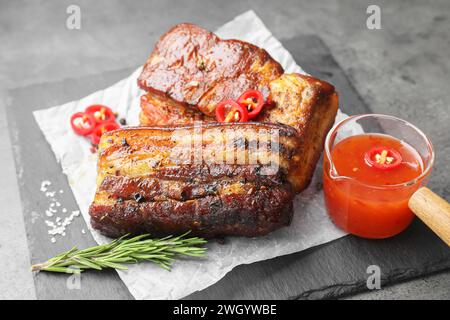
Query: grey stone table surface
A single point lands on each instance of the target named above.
(402, 69)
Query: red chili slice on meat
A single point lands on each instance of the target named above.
(101, 113)
(101, 129)
(231, 111)
(383, 158)
(253, 101)
(82, 123)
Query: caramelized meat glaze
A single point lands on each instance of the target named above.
(195, 67)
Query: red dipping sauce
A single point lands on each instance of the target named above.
(366, 184)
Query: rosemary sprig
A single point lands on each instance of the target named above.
(124, 251)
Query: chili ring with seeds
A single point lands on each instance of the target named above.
(231, 111)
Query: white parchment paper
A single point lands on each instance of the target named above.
(310, 226)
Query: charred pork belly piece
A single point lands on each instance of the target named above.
(195, 67)
(214, 179)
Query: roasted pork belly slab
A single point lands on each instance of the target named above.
(214, 179)
(195, 67)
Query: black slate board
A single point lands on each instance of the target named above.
(35, 163)
(328, 271)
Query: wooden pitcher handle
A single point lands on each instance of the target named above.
(433, 210)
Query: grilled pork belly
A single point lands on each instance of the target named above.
(214, 179)
(309, 105)
(196, 68)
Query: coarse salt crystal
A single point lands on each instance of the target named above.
(49, 223)
(58, 226)
(44, 185)
(76, 213)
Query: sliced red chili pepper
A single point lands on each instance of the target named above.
(82, 123)
(101, 113)
(234, 113)
(383, 158)
(253, 101)
(101, 129)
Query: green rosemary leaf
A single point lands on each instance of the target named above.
(122, 251)
(62, 269)
(114, 265)
(87, 263)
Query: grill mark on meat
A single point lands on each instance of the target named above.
(153, 152)
(212, 216)
(155, 189)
